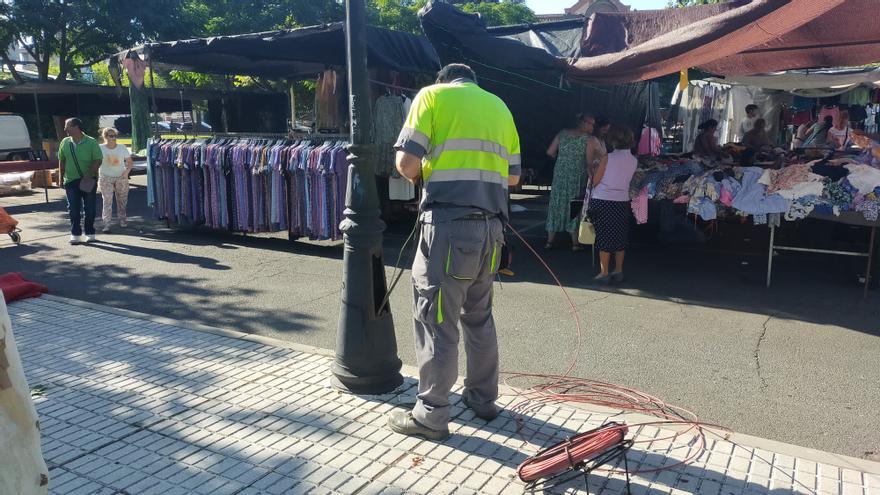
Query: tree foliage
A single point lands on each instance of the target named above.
(402, 15)
(501, 13)
(80, 32)
(65, 36)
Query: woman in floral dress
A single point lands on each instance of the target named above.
(569, 147)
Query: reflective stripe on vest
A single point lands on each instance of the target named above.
(475, 145)
(457, 174)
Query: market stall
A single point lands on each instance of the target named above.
(731, 39)
(835, 186)
(785, 99)
(294, 182)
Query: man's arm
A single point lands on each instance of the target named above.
(415, 138)
(97, 158)
(409, 166)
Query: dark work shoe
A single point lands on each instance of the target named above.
(617, 277)
(486, 412)
(403, 423)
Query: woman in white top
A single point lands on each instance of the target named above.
(609, 208)
(113, 178)
(840, 135)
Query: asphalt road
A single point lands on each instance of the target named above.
(693, 325)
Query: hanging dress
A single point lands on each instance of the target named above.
(569, 181)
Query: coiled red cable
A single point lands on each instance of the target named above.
(571, 453)
(543, 389)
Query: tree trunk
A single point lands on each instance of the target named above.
(42, 70)
(63, 57)
(12, 69)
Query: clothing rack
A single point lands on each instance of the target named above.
(250, 134)
(307, 135)
(261, 183)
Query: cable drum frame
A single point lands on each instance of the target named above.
(584, 467)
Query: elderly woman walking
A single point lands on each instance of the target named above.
(113, 178)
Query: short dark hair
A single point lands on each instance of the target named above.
(74, 122)
(709, 124)
(760, 123)
(455, 71)
(750, 107)
(828, 120)
(621, 138)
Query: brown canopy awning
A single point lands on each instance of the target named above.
(734, 38)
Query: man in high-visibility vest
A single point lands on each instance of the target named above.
(461, 144)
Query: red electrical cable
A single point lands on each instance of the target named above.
(565, 388)
(572, 452)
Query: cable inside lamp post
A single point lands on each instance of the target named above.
(366, 359)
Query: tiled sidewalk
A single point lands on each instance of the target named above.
(136, 405)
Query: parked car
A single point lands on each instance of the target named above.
(164, 126)
(202, 127)
(15, 142)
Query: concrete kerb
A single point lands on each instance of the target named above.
(805, 453)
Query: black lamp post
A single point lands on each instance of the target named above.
(366, 359)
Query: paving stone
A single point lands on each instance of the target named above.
(223, 415)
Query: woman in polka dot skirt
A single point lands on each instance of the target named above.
(609, 207)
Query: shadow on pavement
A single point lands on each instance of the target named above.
(157, 254)
(513, 438)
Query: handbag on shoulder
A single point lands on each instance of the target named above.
(86, 184)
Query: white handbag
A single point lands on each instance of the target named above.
(586, 230)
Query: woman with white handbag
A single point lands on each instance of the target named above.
(608, 206)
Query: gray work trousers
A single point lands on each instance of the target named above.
(452, 289)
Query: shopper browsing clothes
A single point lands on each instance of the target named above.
(474, 156)
(840, 134)
(570, 150)
(818, 135)
(80, 155)
(609, 207)
(757, 138)
(748, 122)
(113, 178)
(706, 145)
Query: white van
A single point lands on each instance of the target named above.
(15, 143)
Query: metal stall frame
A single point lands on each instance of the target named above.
(848, 219)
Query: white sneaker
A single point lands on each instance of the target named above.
(106, 229)
(91, 238)
(74, 240)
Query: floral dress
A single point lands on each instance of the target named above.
(569, 182)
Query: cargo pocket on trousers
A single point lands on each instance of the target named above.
(429, 305)
(463, 259)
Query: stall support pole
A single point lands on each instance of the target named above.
(183, 114)
(153, 98)
(770, 255)
(366, 359)
(870, 262)
(40, 138)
